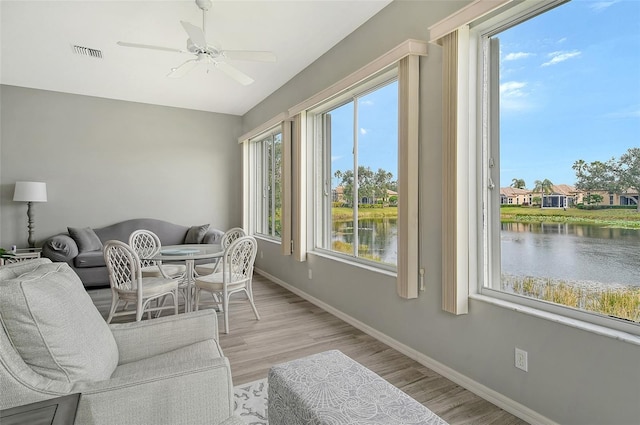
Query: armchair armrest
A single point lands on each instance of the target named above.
(138, 340)
(60, 248)
(196, 391)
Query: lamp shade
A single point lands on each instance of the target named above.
(30, 192)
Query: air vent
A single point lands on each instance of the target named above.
(87, 51)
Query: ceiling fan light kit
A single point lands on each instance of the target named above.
(208, 54)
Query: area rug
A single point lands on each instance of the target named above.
(251, 402)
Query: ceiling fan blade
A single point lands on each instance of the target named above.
(183, 69)
(195, 34)
(148, 46)
(249, 55)
(234, 73)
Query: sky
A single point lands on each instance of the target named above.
(569, 90)
(377, 124)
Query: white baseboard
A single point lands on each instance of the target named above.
(486, 393)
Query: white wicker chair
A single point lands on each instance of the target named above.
(229, 236)
(147, 244)
(128, 285)
(236, 276)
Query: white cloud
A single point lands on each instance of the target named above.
(512, 89)
(516, 56)
(630, 112)
(601, 5)
(363, 131)
(514, 96)
(561, 56)
(366, 102)
(335, 158)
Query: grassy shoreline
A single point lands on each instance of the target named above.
(620, 218)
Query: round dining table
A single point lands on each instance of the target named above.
(189, 253)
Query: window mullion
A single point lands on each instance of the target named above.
(356, 179)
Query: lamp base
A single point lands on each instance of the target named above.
(31, 240)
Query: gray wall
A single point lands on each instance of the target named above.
(106, 160)
(575, 377)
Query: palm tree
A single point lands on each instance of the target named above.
(518, 184)
(544, 187)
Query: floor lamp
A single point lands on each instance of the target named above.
(30, 192)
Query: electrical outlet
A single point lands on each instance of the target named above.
(310, 274)
(521, 360)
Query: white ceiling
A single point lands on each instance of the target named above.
(36, 40)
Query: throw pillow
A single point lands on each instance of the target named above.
(196, 234)
(85, 238)
(54, 325)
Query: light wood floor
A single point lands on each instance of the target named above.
(292, 328)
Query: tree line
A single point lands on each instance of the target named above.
(371, 185)
(613, 176)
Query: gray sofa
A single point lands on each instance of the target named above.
(88, 261)
(54, 342)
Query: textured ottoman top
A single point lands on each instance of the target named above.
(331, 388)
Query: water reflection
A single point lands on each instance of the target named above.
(571, 252)
(378, 238)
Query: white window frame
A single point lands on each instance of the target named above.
(322, 199)
(249, 142)
(483, 238)
(265, 167)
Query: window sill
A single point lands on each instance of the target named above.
(568, 321)
(358, 264)
(267, 239)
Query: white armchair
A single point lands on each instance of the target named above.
(53, 342)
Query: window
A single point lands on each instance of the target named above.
(356, 138)
(557, 97)
(267, 163)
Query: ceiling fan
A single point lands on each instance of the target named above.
(206, 53)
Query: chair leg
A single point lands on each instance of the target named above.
(175, 302)
(114, 305)
(225, 302)
(253, 306)
(139, 310)
(196, 300)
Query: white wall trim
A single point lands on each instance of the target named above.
(486, 393)
(408, 47)
(464, 16)
(278, 119)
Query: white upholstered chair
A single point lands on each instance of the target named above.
(147, 244)
(236, 276)
(228, 237)
(128, 285)
(54, 342)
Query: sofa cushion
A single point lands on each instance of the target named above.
(89, 259)
(54, 325)
(60, 248)
(85, 238)
(195, 234)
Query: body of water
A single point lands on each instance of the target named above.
(379, 235)
(571, 252)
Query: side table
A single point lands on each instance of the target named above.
(21, 255)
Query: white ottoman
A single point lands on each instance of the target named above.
(331, 388)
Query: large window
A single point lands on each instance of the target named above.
(357, 172)
(558, 96)
(268, 170)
